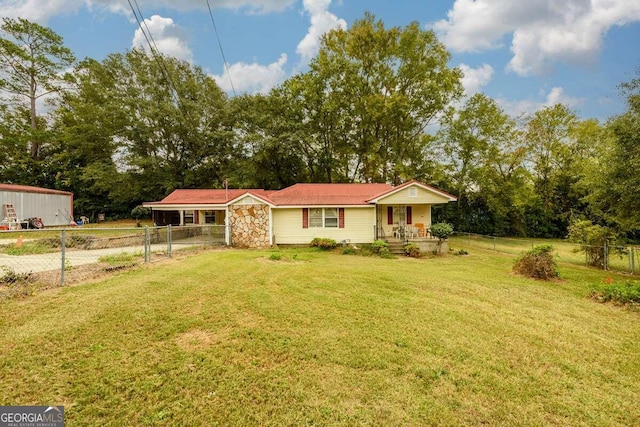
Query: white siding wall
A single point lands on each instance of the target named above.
(54, 209)
(359, 227)
(422, 196)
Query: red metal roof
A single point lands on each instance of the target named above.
(30, 189)
(207, 196)
(349, 194)
(327, 194)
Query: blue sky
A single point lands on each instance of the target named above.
(525, 54)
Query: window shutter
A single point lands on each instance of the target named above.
(409, 215)
(305, 217)
(341, 217)
(196, 217)
(389, 215)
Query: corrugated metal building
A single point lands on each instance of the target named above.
(53, 206)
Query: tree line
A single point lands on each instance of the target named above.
(376, 104)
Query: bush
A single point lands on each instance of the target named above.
(441, 230)
(537, 263)
(140, 212)
(412, 250)
(323, 243)
(626, 293)
(348, 251)
(592, 239)
(380, 247)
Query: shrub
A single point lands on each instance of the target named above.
(323, 243)
(627, 293)
(380, 247)
(537, 263)
(140, 212)
(412, 250)
(592, 239)
(348, 251)
(10, 277)
(441, 230)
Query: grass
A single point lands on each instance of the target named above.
(122, 257)
(236, 338)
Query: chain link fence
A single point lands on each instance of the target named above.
(36, 259)
(625, 259)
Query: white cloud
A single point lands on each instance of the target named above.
(322, 21)
(475, 78)
(253, 78)
(527, 106)
(41, 10)
(166, 36)
(542, 31)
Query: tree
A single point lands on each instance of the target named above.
(483, 154)
(33, 59)
(614, 175)
(367, 99)
(555, 154)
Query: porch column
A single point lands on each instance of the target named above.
(181, 211)
(226, 227)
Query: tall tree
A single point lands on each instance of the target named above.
(163, 125)
(484, 154)
(614, 178)
(369, 96)
(551, 136)
(33, 61)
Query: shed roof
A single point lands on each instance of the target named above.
(30, 189)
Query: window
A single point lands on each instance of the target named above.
(323, 218)
(413, 192)
(331, 217)
(209, 217)
(315, 217)
(188, 217)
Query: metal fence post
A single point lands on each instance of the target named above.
(606, 255)
(62, 255)
(169, 240)
(147, 244)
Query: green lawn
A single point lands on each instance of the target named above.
(233, 337)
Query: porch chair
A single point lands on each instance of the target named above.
(84, 220)
(422, 231)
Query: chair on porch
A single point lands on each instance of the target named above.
(422, 231)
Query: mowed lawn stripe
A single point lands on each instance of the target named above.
(233, 337)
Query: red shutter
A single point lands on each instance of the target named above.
(196, 217)
(389, 215)
(341, 217)
(409, 216)
(305, 217)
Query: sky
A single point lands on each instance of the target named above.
(524, 54)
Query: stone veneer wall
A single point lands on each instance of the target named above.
(249, 226)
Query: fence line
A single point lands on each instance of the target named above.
(608, 257)
(53, 257)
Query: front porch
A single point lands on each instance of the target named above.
(426, 245)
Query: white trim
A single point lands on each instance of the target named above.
(370, 206)
(449, 197)
(270, 227)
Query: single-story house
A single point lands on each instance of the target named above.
(54, 207)
(354, 213)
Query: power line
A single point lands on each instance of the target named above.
(226, 65)
(157, 56)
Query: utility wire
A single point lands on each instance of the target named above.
(226, 65)
(156, 55)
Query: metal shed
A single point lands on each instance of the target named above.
(53, 206)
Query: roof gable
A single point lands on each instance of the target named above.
(413, 183)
